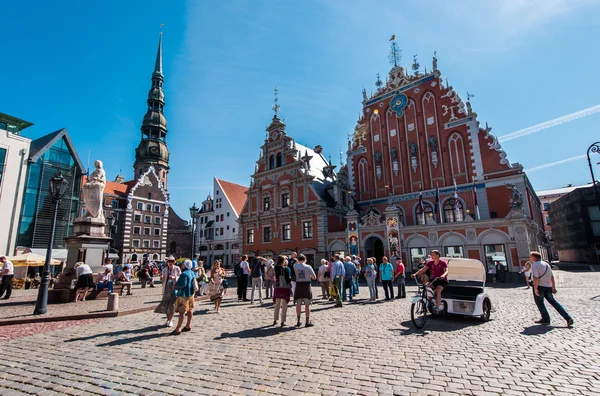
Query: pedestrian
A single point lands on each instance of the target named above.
(269, 278)
(122, 280)
(109, 265)
(378, 269)
(492, 271)
(282, 291)
(215, 290)
(106, 281)
(146, 276)
(185, 289)
(337, 277)
(323, 276)
(371, 275)
(169, 277)
(256, 274)
(128, 268)
(501, 270)
(357, 263)
(7, 273)
(203, 280)
(400, 277)
(291, 262)
(85, 280)
(350, 270)
(386, 271)
(544, 288)
(303, 295)
(527, 272)
(243, 271)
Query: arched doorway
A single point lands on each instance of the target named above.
(373, 248)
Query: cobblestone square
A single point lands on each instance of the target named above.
(363, 348)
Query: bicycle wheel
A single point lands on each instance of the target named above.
(418, 313)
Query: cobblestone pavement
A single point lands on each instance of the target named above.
(22, 303)
(363, 348)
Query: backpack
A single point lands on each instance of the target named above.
(237, 270)
(271, 273)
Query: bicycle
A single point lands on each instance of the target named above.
(424, 305)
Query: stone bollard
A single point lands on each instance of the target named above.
(113, 302)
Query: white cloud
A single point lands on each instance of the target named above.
(551, 164)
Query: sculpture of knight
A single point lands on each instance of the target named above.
(516, 200)
(93, 192)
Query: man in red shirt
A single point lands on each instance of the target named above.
(400, 278)
(439, 276)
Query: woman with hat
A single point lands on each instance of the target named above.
(169, 277)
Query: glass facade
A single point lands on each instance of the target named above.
(36, 213)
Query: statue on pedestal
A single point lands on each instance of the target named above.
(93, 192)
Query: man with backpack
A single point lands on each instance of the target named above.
(242, 272)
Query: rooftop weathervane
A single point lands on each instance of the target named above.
(395, 52)
(276, 101)
(161, 26)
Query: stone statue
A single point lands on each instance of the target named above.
(378, 157)
(433, 143)
(413, 149)
(364, 94)
(516, 200)
(435, 60)
(93, 192)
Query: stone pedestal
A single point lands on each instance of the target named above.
(88, 244)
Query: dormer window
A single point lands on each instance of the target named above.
(279, 159)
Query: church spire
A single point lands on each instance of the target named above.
(152, 149)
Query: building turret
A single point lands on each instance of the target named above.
(152, 149)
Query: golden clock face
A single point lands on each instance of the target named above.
(154, 150)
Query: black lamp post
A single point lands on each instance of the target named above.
(194, 215)
(58, 187)
(594, 148)
(111, 220)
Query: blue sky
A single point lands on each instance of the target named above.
(86, 66)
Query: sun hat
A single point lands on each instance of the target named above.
(171, 258)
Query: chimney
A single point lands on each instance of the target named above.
(318, 149)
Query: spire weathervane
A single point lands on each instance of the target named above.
(276, 101)
(395, 52)
(161, 26)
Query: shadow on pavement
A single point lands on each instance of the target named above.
(441, 323)
(124, 341)
(15, 303)
(537, 330)
(264, 331)
(119, 333)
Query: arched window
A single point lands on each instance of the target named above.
(363, 180)
(134, 257)
(155, 256)
(425, 215)
(279, 159)
(272, 162)
(401, 217)
(457, 154)
(453, 211)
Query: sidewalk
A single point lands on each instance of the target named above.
(19, 308)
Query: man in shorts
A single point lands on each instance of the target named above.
(439, 276)
(185, 290)
(304, 274)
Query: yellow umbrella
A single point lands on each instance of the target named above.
(30, 260)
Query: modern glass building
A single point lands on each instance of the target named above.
(49, 155)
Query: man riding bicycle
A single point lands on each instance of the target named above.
(439, 275)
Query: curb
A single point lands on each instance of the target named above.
(95, 315)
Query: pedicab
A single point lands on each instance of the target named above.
(464, 295)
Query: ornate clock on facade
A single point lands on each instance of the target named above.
(154, 150)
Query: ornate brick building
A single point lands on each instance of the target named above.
(425, 176)
(295, 198)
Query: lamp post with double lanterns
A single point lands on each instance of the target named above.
(58, 188)
(194, 215)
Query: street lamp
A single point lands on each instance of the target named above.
(594, 148)
(58, 188)
(111, 220)
(194, 215)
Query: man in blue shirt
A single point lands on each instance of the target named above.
(337, 275)
(386, 271)
(184, 290)
(350, 269)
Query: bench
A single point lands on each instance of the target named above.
(462, 290)
(103, 293)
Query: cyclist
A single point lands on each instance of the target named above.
(439, 276)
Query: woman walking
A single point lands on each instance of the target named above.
(371, 275)
(283, 286)
(169, 277)
(203, 280)
(323, 277)
(269, 278)
(217, 274)
(85, 280)
(527, 271)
